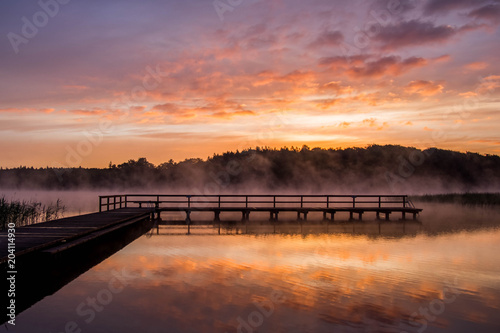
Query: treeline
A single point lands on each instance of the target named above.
(374, 169)
(465, 199)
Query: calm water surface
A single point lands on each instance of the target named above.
(412, 278)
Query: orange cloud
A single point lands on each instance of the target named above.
(424, 88)
(475, 66)
(328, 103)
(391, 65)
(337, 88)
(93, 112)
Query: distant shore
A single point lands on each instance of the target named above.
(466, 199)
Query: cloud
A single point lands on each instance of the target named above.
(441, 6)
(390, 65)
(417, 33)
(328, 38)
(297, 76)
(327, 103)
(489, 12)
(339, 61)
(424, 88)
(217, 107)
(336, 87)
(478, 65)
(93, 112)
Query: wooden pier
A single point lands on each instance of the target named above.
(381, 206)
(59, 235)
(118, 211)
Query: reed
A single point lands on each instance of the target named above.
(23, 213)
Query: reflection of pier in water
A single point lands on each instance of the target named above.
(371, 229)
(197, 209)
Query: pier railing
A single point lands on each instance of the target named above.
(157, 201)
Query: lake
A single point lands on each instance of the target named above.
(440, 275)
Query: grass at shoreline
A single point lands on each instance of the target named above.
(23, 213)
(466, 199)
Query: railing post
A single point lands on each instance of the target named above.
(107, 203)
(379, 201)
(327, 201)
(274, 202)
(353, 201)
(100, 204)
(126, 201)
(404, 201)
(219, 201)
(301, 201)
(246, 201)
(189, 201)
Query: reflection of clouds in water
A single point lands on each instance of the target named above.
(326, 280)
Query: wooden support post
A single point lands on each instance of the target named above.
(387, 216)
(324, 216)
(298, 215)
(378, 215)
(332, 216)
(403, 215)
(305, 215)
(360, 216)
(351, 215)
(273, 216)
(217, 218)
(414, 216)
(188, 221)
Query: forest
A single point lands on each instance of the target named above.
(372, 169)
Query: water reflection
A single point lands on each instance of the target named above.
(429, 278)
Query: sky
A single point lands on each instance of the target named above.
(83, 83)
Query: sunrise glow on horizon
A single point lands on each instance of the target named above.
(84, 83)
